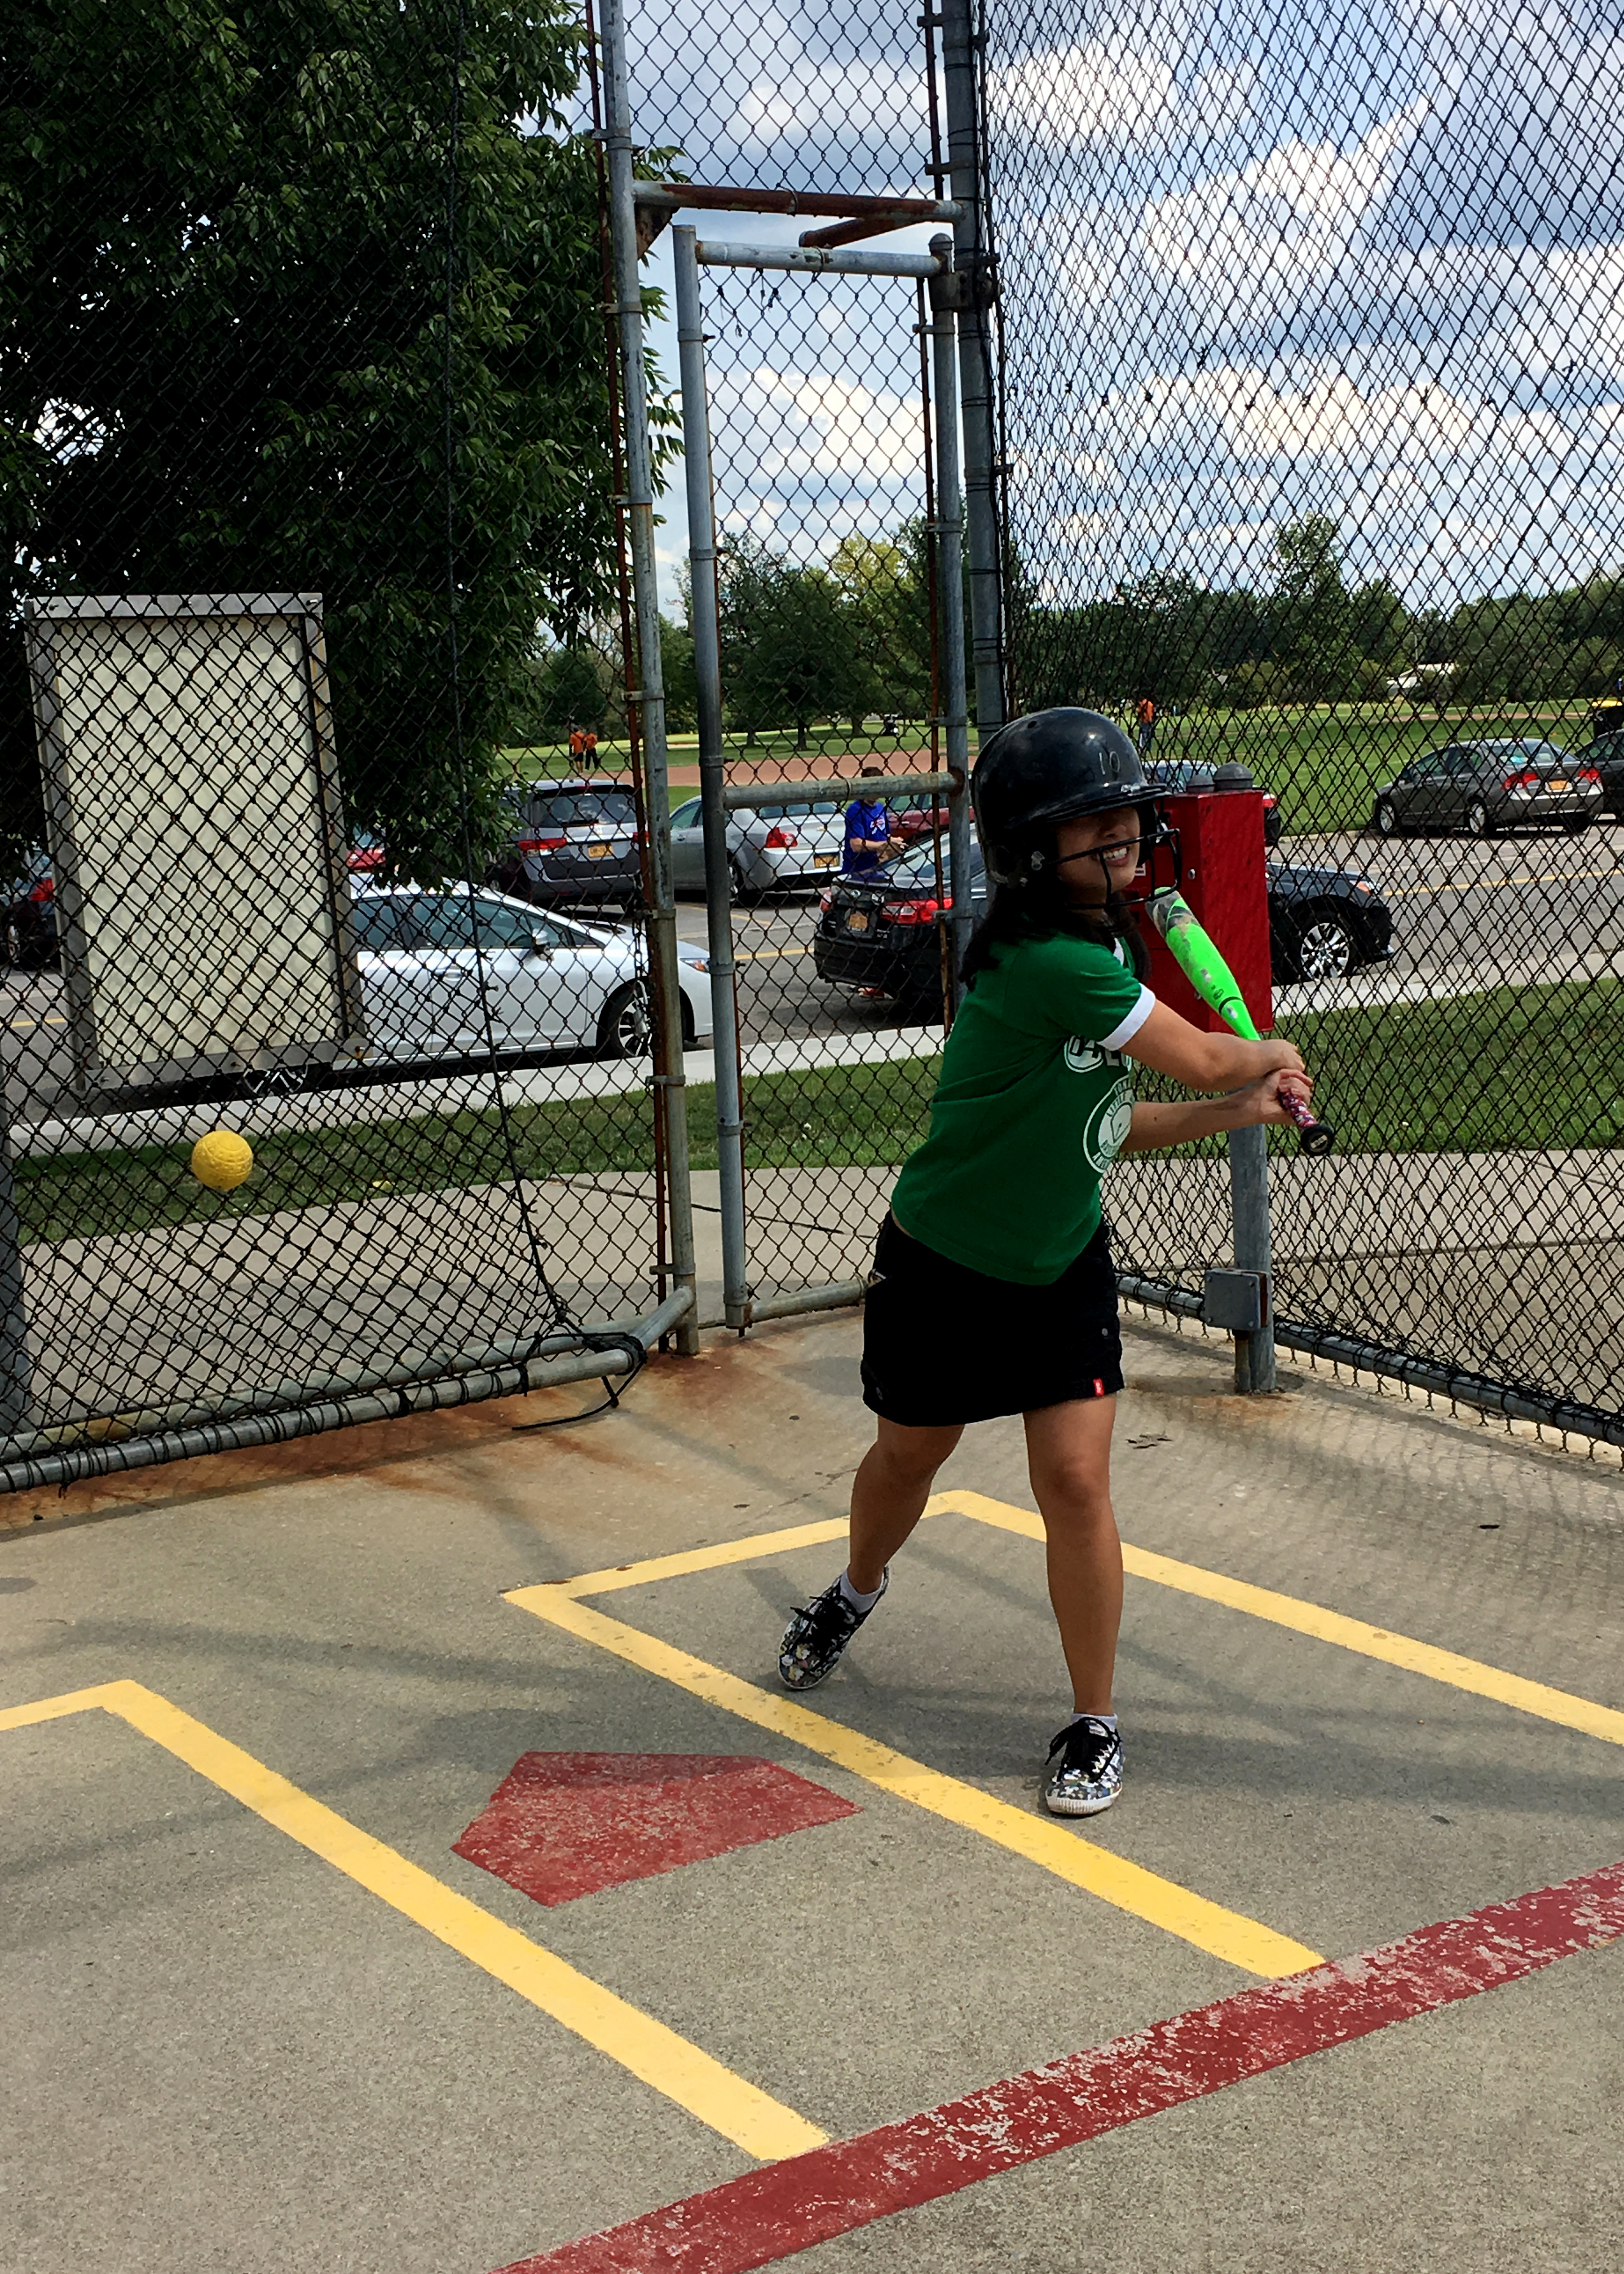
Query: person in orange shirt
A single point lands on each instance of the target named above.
(1145, 711)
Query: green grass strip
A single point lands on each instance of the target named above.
(1513, 1069)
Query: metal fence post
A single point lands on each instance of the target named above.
(1249, 1200)
(963, 158)
(719, 871)
(949, 601)
(670, 1101)
(14, 1383)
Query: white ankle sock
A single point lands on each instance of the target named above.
(1106, 1720)
(859, 1602)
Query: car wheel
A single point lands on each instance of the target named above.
(739, 892)
(1325, 947)
(626, 1029)
(1478, 822)
(1385, 818)
(14, 948)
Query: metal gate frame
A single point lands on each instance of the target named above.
(958, 274)
(717, 800)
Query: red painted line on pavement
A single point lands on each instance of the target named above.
(786, 2208)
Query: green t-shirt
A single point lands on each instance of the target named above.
(1034, 1102)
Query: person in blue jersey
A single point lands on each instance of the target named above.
(867, 833)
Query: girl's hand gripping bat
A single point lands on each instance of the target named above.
(1193, 950)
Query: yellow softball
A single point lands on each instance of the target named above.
(221, 1160)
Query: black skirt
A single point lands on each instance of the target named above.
(944, 1344)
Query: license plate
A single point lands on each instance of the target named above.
(598, 852)
(825, 860)
(857, 920)
(1557, 785)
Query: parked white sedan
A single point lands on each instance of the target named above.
(788, 840)
(550, 983)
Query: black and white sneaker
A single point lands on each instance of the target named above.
(816, 1638)
(1084, 1775)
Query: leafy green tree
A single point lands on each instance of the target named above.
(1310, 615)
(884, 582)
(1379, 628)
(579, 685)
(230, 243)
(681, 681)
(789, 651)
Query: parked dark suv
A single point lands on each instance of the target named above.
(886, 936)
(572, 841)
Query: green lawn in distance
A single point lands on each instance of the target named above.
(1516, 1068)
(1322, 761)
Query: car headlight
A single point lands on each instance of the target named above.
(1362, 884)
(697, 962)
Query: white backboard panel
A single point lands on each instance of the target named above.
(196, 834)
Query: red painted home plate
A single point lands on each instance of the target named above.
(563, 1825)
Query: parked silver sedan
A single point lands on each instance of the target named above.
(1485, 787)
(782, 841)
(431, 962)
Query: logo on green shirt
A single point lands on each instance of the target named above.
(1110, 1118)
(1083, 1056)
(1029, 1111)
(1106, 1130)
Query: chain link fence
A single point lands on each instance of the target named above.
(825, 577)
(326, 807)
(307, 458)
(818, 395)
(1311, 398)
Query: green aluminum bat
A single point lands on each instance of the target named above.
(1191, 948)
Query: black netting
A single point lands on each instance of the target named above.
(1311, 340)
(792, 99)
(326, 832)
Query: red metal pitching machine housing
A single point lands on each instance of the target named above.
(1219, 866)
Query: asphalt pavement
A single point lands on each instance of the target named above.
(412, 1863)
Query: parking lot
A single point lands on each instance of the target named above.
(1467, 915)
(415, 1863)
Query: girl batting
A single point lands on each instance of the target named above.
(996, 1225)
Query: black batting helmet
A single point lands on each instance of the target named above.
(1051, 766)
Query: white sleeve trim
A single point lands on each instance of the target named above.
(1120, 1037)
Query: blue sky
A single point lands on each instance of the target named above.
(1368, 263)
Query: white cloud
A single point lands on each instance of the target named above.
(772, 423)
(1267, 235)
(1106, 90)
(778, 105)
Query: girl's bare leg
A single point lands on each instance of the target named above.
(1068, 1458)
(889, 1494)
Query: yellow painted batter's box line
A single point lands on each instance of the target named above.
(1322, 1625)
(1041, 1840)
(1223, 1933)
(728, 2104)
(1561, 1706)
